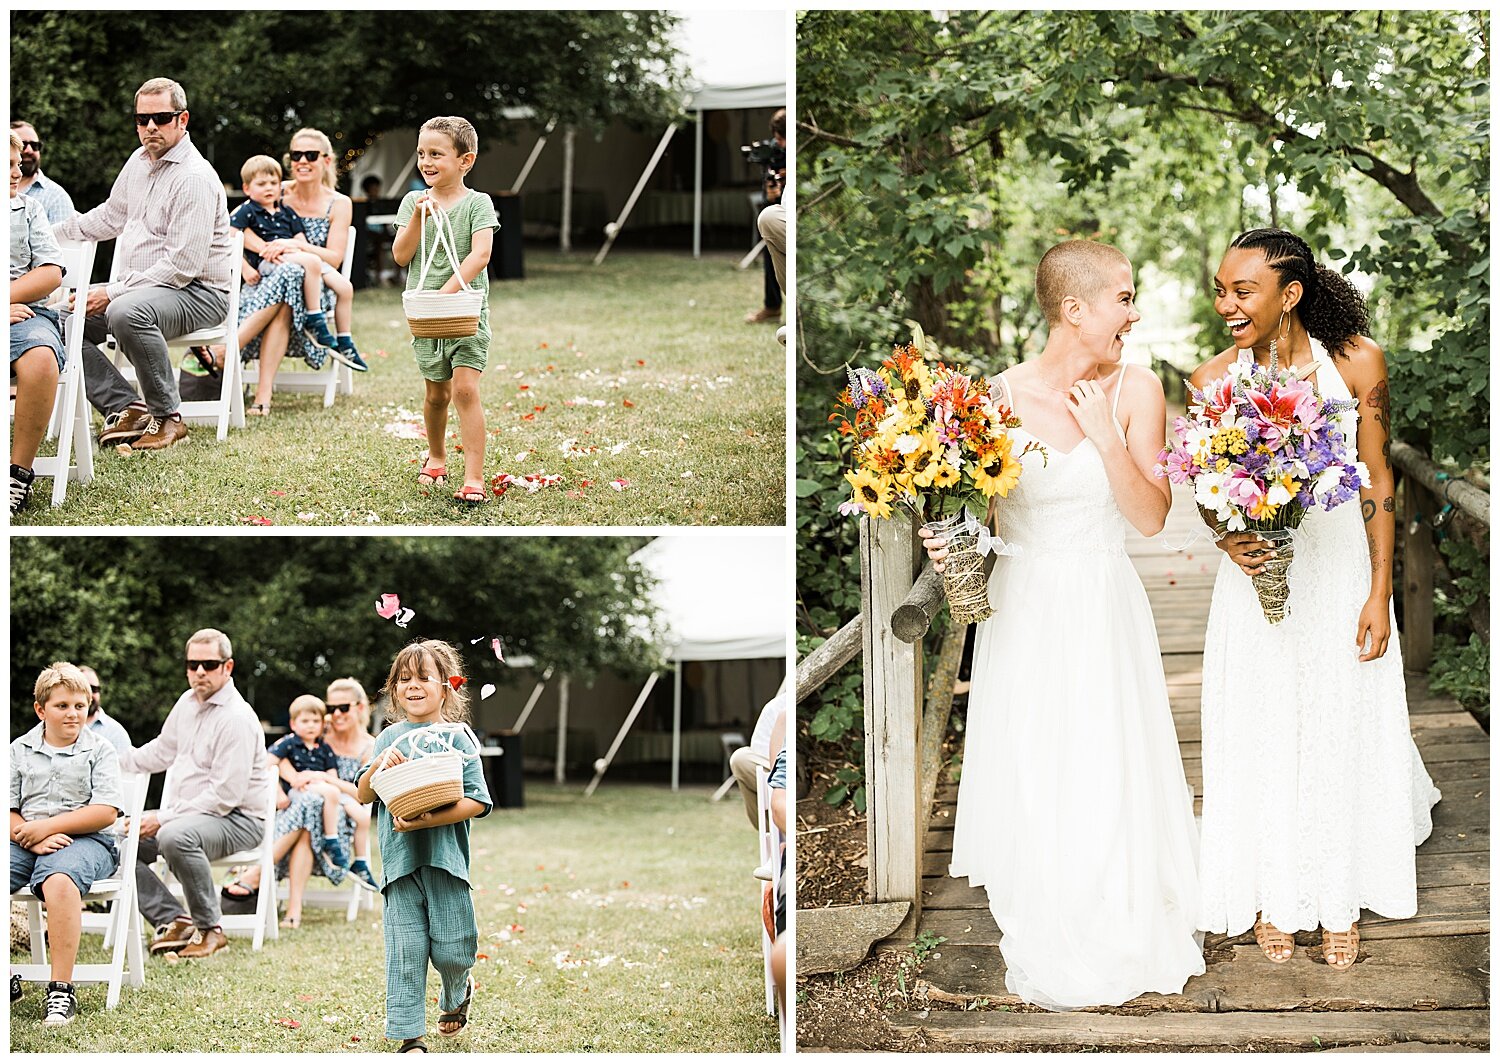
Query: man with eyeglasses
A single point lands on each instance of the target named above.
(51, 195)
(98, 720)
(170, 214)
(213, 748)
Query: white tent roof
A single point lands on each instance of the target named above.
(737, 58)
(720, 597)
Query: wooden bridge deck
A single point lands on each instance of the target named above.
(1420, 983)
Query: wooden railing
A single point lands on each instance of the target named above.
(1429, 498)
(903, 729)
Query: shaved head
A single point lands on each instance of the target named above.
(1080, 268)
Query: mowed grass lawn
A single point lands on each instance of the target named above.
(624, 922)
(640, 370)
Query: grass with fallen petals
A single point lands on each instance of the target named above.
(641, 370)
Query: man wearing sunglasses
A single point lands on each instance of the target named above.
(169, 212)
(214, 751)
(107, 727)
(51, 195)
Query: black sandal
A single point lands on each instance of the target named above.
(413, 1044)
(459, 1015)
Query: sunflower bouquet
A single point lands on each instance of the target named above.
(1261, 449)
(931, 438)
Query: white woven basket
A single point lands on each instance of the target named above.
(441, 315)
(431, 777)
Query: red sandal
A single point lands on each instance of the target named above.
(470, 495)
(431, 475)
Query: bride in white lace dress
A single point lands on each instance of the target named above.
(1073, 811)
(1315, 797)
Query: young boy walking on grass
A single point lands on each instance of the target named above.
(446, 149)
(64, 796)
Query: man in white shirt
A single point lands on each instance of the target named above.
(215, 804)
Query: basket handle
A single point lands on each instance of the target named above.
(443, 237)
(436, 738)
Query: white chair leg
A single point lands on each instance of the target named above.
(135, 950)
(38, 930)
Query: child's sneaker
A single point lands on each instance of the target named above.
(60, 1006)
(315, 328)
(345, 352)
(336, 852)
(363, 876)
(20, 488)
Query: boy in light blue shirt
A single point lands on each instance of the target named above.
(64, 796)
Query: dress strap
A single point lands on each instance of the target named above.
(1119, 387)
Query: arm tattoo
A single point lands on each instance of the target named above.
(1379, 400)
(1367, 507)
(1389, 505)
(1375, 559)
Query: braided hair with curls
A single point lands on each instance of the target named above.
(1331, 309)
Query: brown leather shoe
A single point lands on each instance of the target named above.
(124, 427)
(161, 433)
(172, 937)
(765, 313)
(205, 943)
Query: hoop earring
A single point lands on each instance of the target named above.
(1280, 333)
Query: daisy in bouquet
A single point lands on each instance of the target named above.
(1261, 449)
(934, 439)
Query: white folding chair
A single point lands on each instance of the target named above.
(122, 923)
(69, 423)
(261, 923)
(352, 899)
(334, 378)
(229, 408)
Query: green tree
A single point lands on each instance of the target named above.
(254, 77)
(297, 619)
(939, 155)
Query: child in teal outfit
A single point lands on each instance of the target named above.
(425, 860)
(446, 149)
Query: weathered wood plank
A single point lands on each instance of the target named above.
(976, 926)
(1396, 974)
(835, 939)
(1236, 1031)
(893, 717)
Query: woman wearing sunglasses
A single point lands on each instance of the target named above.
(296, 854)
(272, 313)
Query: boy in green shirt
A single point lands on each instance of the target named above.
(446, 149)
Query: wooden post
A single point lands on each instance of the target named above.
(1420, 556)
(893, 717)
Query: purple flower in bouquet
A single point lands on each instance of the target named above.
(1179, 467)
(864, 385)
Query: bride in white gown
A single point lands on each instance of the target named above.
(1315, 796)
(1073, 811)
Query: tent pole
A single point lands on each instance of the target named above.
(744, 263)
(698, 194)
(541, 142)
(676, 724)
(560, 771)
(612, 230)
(536, 692)
(565, 238)
(602, 765)
(405, 173)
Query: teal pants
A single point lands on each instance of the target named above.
(428, 916)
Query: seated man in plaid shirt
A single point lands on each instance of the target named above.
(170, 214)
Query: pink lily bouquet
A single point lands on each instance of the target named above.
(1261, 449)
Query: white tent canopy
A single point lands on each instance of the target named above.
(738, 61)
(719, 598)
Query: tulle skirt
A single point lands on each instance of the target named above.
(1073, 811)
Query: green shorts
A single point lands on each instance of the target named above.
(436, 358)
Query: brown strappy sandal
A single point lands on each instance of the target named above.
(1341, 948)
(1277, 945)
